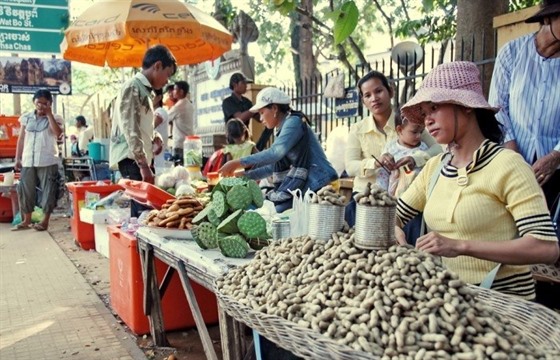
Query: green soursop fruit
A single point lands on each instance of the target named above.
(256, 193)
(229, 224)
(234, 246)
(205, 235)
(251, 224)
(213, 218)
(219, 203)
(201, 215)
(227, 183)
(239, 197)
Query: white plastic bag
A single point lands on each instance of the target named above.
(299, 218)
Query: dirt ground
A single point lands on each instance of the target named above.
(185, 345)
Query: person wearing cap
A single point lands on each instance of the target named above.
(525, 87)
(486, 214)
(238, 106)
(295, 160)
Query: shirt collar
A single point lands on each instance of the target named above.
(369, 125)
(481, 157)
(144, 80)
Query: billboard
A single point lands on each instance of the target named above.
(20, 75)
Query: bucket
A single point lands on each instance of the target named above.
(375, 227)
(96, 151)
(280, 229)
(324, 220)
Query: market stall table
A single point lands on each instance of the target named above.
(192, 263)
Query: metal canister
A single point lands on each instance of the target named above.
(280, 229)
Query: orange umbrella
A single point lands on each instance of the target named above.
(118, 32)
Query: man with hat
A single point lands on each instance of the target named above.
(238, 106)
(525, 87)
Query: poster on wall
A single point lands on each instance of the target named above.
(19, 75)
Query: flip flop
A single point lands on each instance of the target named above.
(19, 227)
(39, 227)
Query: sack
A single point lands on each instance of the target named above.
(335, 86)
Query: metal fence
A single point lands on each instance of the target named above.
(307, 94)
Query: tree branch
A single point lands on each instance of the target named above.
(356, 49)
(387, 19)
(403, 5)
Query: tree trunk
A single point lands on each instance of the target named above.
(475, 33)
(305, 63)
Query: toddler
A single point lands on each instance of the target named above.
(237, 136)
(407, 143)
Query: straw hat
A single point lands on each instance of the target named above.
(548, 8)
(456, 82)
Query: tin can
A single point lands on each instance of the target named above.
(280, 229)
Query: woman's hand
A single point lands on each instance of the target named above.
(436, 244)
(545, 167)
(17, 166)
(229, 168)
(388, 161)
(400, 236)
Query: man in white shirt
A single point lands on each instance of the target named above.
(85, 134)
(181, 117)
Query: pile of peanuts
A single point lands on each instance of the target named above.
(328, 196)
(373, 195)
(398, 303)
(175, 213)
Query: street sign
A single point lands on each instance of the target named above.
(15, 41)
(32, 25)
(348, 106)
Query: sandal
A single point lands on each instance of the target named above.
(39, 227)
(21, 226)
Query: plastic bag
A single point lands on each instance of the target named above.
(36, 216)
(299, 217)
(117, 199)
(335, 86)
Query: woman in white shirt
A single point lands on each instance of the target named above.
(37, 159)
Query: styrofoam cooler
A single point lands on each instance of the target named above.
(324, 220)
(100, 220)
(375, 227)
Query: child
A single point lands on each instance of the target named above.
(239, 144)
(408, 143)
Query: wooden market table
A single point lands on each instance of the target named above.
(193, 264)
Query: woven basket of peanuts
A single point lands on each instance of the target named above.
(326, 213)
(375, 218)
(331, 300)
(175, 213)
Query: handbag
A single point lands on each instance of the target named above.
(335, 86)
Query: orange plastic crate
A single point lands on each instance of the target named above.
(9, 134)
(127, 289)
(145, 193)
(83, 232)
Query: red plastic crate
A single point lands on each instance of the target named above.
(127, 289)
(83, 232)
(6, 206)
(145, 193)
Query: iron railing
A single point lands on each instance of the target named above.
(307, 94)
